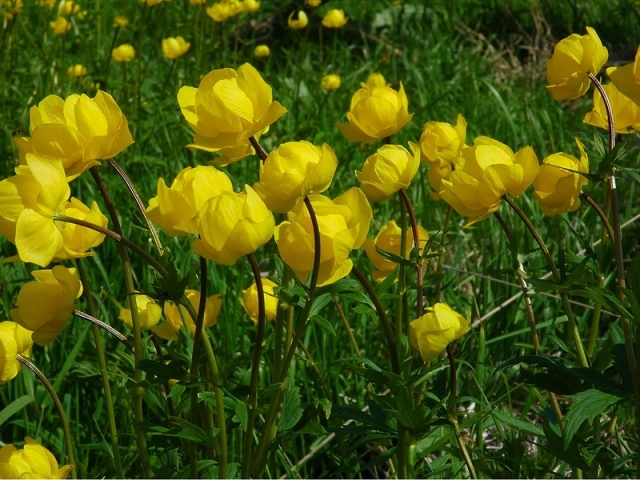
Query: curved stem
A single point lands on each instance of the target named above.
(607, 106)
(56, 400)
(600, 213)
(106, 327)
(260, 151)
(416, 243)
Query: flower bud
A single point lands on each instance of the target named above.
(261, 51)
(432, 332)
(330, 82)
(298, 20)
(149, 313)
(174, 47)
(123, 53)
(335, 18)
(440, 142)
(168, 329)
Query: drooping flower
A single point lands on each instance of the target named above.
(14, 340)
(76, 71)
(169, 329)
(330, 82)
(440, 142)
(60, 26)
(250, 300)
(31, 461)
(261, 51)
(335, 18)
(123, 53)
(626, 113)
(431, 333)
(174, 47)
(298, 20)
(149, 313)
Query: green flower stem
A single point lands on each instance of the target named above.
(440, 266)
(607, 106)
(255, 369)
(56, 400)
(405, 446)
(600, 214)
(416, 243)
(97, 324)
(140, 204)
(278, 327)
(582, 357)
(316, 369)
(402, 301)
(260, 151)
(347, 327)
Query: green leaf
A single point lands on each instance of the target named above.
(555, 446)
(189, 431)
(604, 297)
(517, 424)
(14, 407)
(242, 414)
(324, 324)
(291, 410)
(608, 161)
(587, 406)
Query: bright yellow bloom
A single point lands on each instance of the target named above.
(343, 223)
(169, 329)
(313, 3)
(300, 21)
(68, 8)
(232, 225)
(250, 300)
(390, 169)
(376, 113)
(389, 239)
(626, 113)
(46, 304)
(573, 58)
(627, 78)
(292, 171)
(483, 174)
(435, 175)
(174, 47)
(250, 6)
(440, 142)
(330, 82)
(219, 12)
(76, 71)
(149, 313)
(557, 187)
(14, 340)
(60, 26)
(32, 461)
(335, 19)
(120, 21)
(79, 130)
(261, 51)
(432, 332)
(77, 240)
(123, 53)
(226, 109)
(176, 209)
(374, 80)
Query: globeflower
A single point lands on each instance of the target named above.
(376, 113)
(250, 6)
(68, 8)
(31, 461)
(483, 174)
(226, 109)
(60, 26)
(149, 313)
(335, 19)
(374, 80)
(46, 304)
(261, 51)
(14, 340)
(300, 21)
(123, 53)
(330, 82)
(573, 59)
(627, 78)
(250, 300)
(441, 143)
(11, 8)
(313, 3)
(626, 113)
(76, 71)
(174, 47)
(120, 21)
(295, 170)
(219, 12)
(169, 329)
(431, 333)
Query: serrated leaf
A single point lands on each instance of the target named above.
(291, 410)
(587, 406)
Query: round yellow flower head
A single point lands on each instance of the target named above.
(374, 80)
(330, 82)
(440, 142)
(389, 239)
(294, 170)
(376, 113)
(262, 51)
(174, 47)
(626, 113)
(432, 332)
(298, 20)
(68, 8)
(169, 329)
(14, 340)
(60, 26)
(627, 78)
(76, 71)
(149, 313)
(250, 6)
(219, 12)
(250, 300)
(123, 53)
(313, 3)
(573, 59)
(390, 169)
(77, 240)
(335, 19)
(557, 187)
(32, 461)
(120, 21)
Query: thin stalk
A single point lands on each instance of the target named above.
(601, 214)
(607, 107)
(56, 400)
(416, 243)
(106, 327)
(347, 327)
(440, 266)
(281, 311)
(400, 287)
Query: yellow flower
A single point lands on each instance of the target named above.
(557, 187)
(123, 53)
(174, 47)
(76, 71)
(432, 332)
(47, 3)
(390, 169)
(14, 340)
(374, 80)
(219, 12)
(573, 58)
(197, 2)
(389, 239)
(626, 113)
(300, 21)
(435, 175)
(335, 18)
(330, 82)
(149, 313)
(250, 6)
(226, 109)
(343, 224)
(120, 21)
(294, 170)
(440, 142)
(376, 113)
(60, 26)
(79, 130)
(176, 209)
(11, 8)
(169, 329)
(77, 240)
(232, 225)
(151, 3)
(261, 51)
(483, 174)
(32, 461)
(313, 3)
(627, 78)
(68, 8)
(250, 300)
(46, 304)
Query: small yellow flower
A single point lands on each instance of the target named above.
(330, 82)
(219, 12)
(374, 80)
(335, 19)
(14, 340)
(149, 313)
(60, 26)
(123, 53)
(76, 71)
(68, 8)
(300, 21)
(432, 332)
(151, 3)
(261, 51)
(47, 3)
(169, 329)
(441, 143)
(120, 21)
(250, 300)
(250, 6)
(313, 3)
(174, 47)
(32, 461)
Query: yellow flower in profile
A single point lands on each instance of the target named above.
(14, 340)
(32, 461)
(76, 71)
(330, 82)
(376, 113)
(335, 19)
(389, 239)
(298, 20)
(60, 26)
(627, 78)
(557, 186)
(174, 47)
(169, 329)
(250, 300)
(313, 3)
(374, 80)
(149, 313)
(123, 53)
(68, 8)
(431, 333)
(261, 51)
(626, 113)
(250, 6)
(120, 21)
(441, 142)
(573, 59)
(46, 304)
